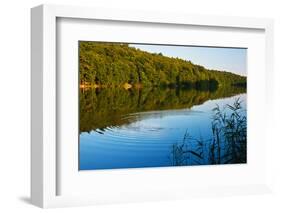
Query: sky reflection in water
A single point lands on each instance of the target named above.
(147, 140)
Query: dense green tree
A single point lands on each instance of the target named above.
(115, 64)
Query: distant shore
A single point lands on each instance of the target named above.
(95, 86)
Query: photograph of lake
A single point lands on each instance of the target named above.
(148, 105)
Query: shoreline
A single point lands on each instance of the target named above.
(98, 86)
(128, 86)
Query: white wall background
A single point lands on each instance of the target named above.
(15, 104)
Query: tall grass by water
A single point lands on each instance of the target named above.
(227, 145)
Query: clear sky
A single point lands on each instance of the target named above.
(228, 59)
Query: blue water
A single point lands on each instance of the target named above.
(147, 141)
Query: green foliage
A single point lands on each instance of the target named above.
(114, 64)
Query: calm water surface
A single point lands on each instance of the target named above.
(115, 135)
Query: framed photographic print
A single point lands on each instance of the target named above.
(133, 105)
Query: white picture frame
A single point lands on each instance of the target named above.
(44, 83)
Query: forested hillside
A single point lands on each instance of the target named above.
(113, 64)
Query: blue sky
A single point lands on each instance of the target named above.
(228, 59)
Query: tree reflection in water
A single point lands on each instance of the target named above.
(100, 108)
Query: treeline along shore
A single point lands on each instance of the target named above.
(110, 65)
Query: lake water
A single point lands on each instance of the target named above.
(136, 129)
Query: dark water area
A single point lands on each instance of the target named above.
(157, 127)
